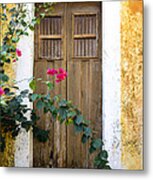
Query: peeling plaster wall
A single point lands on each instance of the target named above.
(132, 84)
(19, 153)
(24, 142)
(122, 83)
(7, 158)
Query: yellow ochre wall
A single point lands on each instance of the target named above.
(7, 158)
(131, 83)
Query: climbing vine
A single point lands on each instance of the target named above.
(13, 109)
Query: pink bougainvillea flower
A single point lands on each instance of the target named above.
(60, 76)
(57, 80)
(62, 71)
(2, 92)
(51, 72)
(18, 52)
(14, 60)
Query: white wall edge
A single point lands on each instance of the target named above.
(111, 82)
(24, 70)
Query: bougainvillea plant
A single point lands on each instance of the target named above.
(13, 110)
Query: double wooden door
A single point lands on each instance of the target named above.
(70, 37)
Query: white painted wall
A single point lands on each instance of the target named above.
(24, 70)
(111, 82)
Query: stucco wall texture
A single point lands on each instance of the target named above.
(7, 158)
(132, 84)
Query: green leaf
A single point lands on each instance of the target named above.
(15, 87)
(84, 139)
(71, 114)
(63, 103)
(31, 27)
(4, 77)
(101, 161)
(62, 113)
(91, 149)
(54, 114)
(26, 33)
(15, 132)
(97, 161)
(78, 128)
(56, 98)
(26, 125)
(78, 120)
(12, 10)
(107, 167)
(42, 15)
(33, 97)
(40, 134)
(3, 53)
(34, 117)
(8, 61)
(32, 85)
(38, 21)
(96, 143)
(15, 39)
(24, 24)
(69, 121)
(12, 48)
(49, 85)
(104, 155)
(39, 104)
(87, 131)
(18, 32)
(24, 93)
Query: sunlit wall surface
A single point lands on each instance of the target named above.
(131, 83)
(7, 158)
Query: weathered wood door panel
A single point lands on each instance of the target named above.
(70, 37)
(50, 52)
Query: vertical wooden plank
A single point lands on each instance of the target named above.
(41, 148)
(95, 102)
(85, 107)
(74, 94)
(60, 130)
(53, 152)
(84, 86)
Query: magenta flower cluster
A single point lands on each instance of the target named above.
(60, 74)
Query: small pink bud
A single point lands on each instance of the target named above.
(2, 92)
(18, 52)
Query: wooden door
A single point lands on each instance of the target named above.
(70, 37)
